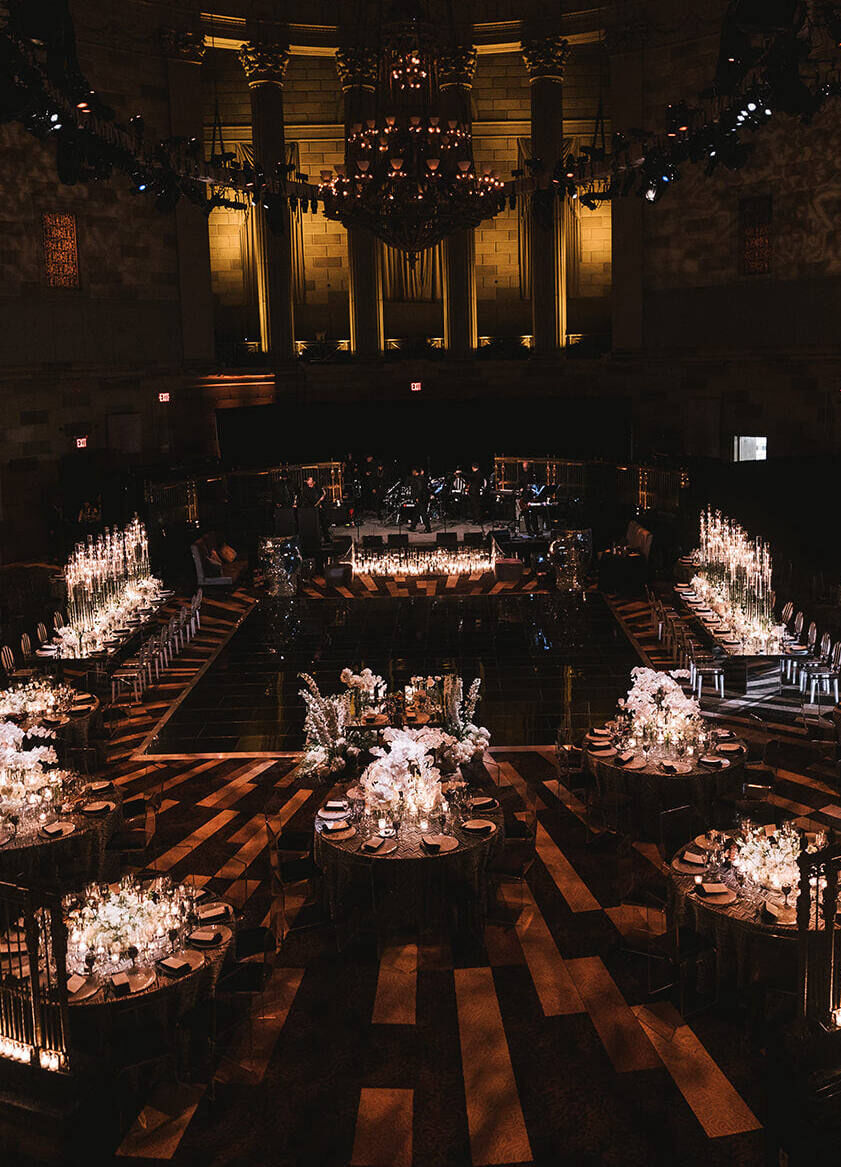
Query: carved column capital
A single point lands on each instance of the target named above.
(358, 68)
(456, 66)
(264, 63)
(545, 57)
(183, 45)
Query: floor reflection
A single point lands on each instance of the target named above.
(528, 650)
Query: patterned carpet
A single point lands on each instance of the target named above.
(538, 1045)
(370, 587)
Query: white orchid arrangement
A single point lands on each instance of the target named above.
(35, 698)
(770, 859)
(460, 714)
(404, 769)
(327, 748)
(656, 701)
(367, 682)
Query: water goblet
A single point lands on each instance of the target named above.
(786, 890)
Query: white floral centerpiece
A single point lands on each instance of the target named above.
(769, 857)
(459, 718)
(366, 690)
(31, 786)
(38, 697)
(403, 774)
(658, 707)
(327, 749)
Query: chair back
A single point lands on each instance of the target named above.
(58, 620)
(788, 612)
(812, 636)
(7, 659)
(826, 645)
(754, 792)
(798, 624)
(678, 827)
(836, 657)
(25, 645)
(41, 633)
(199, 596)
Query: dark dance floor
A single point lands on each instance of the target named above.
(526, 649)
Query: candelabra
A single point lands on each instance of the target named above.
(422, 560)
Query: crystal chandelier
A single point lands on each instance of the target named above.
(409, 175)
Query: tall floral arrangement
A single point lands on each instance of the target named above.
(460, 715)
(327, 747)
(404, 772)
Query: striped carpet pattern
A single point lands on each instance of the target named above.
(538, 1044)
(371, 586)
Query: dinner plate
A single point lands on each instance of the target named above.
(46, 651)
(89, 989)
(214, 913)
(712, 763)
(638, 762)
(222, 931)
(340, 836)
(600, 752)
(142, 979)
(679, 769)
(682, 868)
(98, 787)
(704, 842)
(95, 809)
(479, 826)
(445, 843)
(66, 829)
(729, 747)
(599, 733)
(387, 847)
(721, 901)
(479, 803)
(331, 814)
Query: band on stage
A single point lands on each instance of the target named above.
(415, 500)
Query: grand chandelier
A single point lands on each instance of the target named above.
(409, 175)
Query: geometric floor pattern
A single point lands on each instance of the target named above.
(537, 1045)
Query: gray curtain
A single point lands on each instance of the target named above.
(402, 281)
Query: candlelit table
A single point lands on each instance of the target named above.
(409, 881)
(69, 856)
(662, 780)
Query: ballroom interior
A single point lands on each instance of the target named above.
(420, 630)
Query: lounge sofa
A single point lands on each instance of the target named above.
(209, 574)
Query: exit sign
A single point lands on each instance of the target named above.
(416, 386)
(82, 443)
(163, 398)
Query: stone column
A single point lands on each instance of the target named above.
(265, 64)
(456, 67)
(184, 52)
(358, 71)
(545, 58)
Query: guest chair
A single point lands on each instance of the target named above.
(26, 647)
(514, 862)
(823, 675)
(7, 659)
(678, 826)
(290, 866)
(58, 620)
(706, 670)
(131, 675)
(787, 613)
(41, 633)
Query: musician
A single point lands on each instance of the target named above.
(419, 486)
(458, 491)
(525, 497)
(312, 494)
(476, 484)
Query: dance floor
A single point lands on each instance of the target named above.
(525, 648)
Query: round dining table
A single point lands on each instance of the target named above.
(752, 929)
(68, 852)
(662, 781)
(416, 876)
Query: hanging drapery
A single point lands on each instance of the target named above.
(572, 230)
(250, 251)
(420, 281)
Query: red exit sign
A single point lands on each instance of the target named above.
(82, 443)
(416, 386)
(163, 398)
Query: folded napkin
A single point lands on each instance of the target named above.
(174, 966)
(712, 889)
(213, 912)
(624, 759)
(710, 760)
(599, 747)
(206, 936)
(53, 829)
(690, 856)
(372, 844)
(74, 983)
(477, 826)
(668, 767)
(120, 984)
(336, 825)
(336, 804)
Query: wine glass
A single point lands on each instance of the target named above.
(786, 890)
